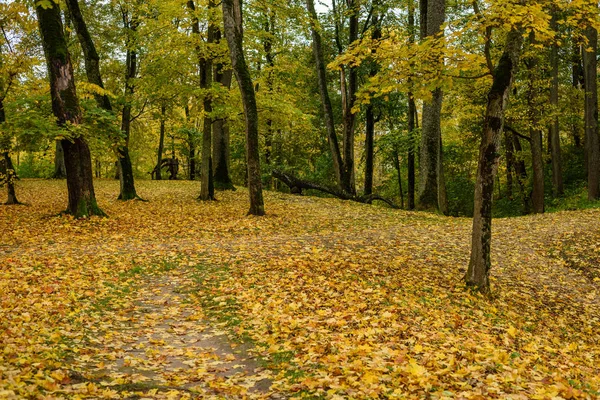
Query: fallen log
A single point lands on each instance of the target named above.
(297, 185)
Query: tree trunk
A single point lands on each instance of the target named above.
(431, 194)
(479, 265)
(535, 133)
(399, 175)
(370, 118)
(191, 144)
(412, 111)
(269, 27)
(349, 118)
(10, 176)
(232, 21)
(8, 170)
(510, 162)
(161, 142)
(557, 175)
(65, 106)
(592, 144)
(126, 180)
(317, 46)
(521, 173)
(205, 67)
(369, 138)
(577, 82)
(92, 60)
(92, 69)
(60, 171)
(221, 148)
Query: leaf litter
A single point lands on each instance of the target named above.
(332, 299)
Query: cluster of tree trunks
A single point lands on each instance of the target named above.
(65, 106)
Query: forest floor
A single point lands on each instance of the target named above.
(321, 298)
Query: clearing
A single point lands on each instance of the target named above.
(321, 298)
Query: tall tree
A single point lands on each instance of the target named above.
(557, 174)
(131, 23)
(431, 183)
(205, 66)
(65, 106)
(342, 166)
(7, 170)
(221, 141)
(161, 141)
(233, 28)
(412, 117)
(479, 265)
(537, 153)
(370, 117)
(92, 70)
(592, 143)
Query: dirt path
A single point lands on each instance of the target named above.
(163, 347)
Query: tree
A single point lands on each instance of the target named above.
(7, 170)
(205, 66)
(557, 173)
(535, 132)
(432, 191)
(370, 119)
(65, 106)
(233, 28)
(592, 143)
(92, 69)
(479, 265)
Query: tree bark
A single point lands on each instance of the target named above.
(370, 118)
(92, 69)
(557, 174)
(317, 46)
(232, 21)
(521, 173)
(399, 176)
(592, 144)
(431, 191)
(8, 170)
(510, 162)
(60, 171)
(92, 60)
(480, 263)
(126, 179)
(161, 142)
(535, 133)
(412, 117)
(349, 92)
(221, 146)
(65, 106)
(578, 83)
(269, 27)
(9, 179)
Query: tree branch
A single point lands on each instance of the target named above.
(509, 128)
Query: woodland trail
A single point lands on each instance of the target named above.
(148, 302)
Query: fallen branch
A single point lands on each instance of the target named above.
(296, 186)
